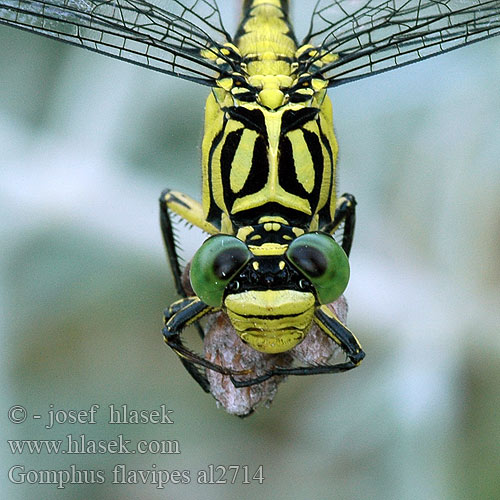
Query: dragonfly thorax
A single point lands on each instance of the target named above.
(268, 162)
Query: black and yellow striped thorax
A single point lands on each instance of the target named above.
(269, 150)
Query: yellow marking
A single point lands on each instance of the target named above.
(298, 231)
(214, 55)
(304, 166)
(270, 303)
(314, 226)
(217, 186)
(255, 265)
(238, 90)
(256, 237)
(226, 224)
(189, 210)
(271, 98)
(213, 124)
(243, 232)
(281, 265)
(329, 58)
(267, 333)
(318, 84)
(225, 83)
(302, 49)
(272, 192)
(271, 218)
(268, 249)
(307, 92)
(272, 226)
(325, 58)
(287, 237)
(210, 54)
(242, 161)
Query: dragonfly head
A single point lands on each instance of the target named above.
(270, 291)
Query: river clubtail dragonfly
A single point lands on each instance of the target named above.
(270, 276)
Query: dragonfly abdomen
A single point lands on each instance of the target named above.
(267, 46)
(265, 30)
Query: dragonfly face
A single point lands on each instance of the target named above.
(269, 152)
(270, 291)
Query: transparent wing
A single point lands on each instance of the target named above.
(373, 36)
(170, 39)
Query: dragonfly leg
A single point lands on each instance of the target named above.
(346, 213)
(326, 319)
(180, 314)
(189, 210)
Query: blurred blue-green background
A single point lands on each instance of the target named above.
(87, 145)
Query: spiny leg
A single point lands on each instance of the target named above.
(170, 200)
(180, 307)
(191, 211)
(170, 245)
(179, 315)
(345, 212)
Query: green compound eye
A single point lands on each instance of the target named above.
(323, 262)
(215, 264)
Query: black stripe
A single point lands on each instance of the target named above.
(294, 119)
(259, 171)
(271, 317)
(295, 218)
(287, 173)
(314, 147)
(252, 119)
(325, 216)
(214, 212)
(229, 148)
(278, 57)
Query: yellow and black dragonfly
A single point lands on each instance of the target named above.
(269, 153)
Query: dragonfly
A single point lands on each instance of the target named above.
(271, 275)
